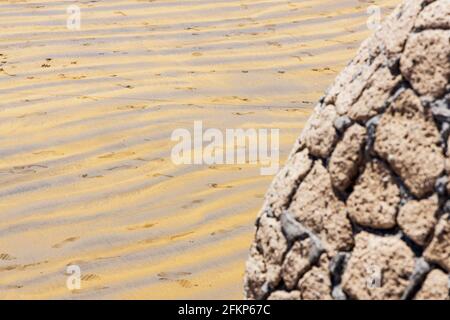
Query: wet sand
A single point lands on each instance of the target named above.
(85, 122)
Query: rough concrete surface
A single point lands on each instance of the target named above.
(361, 209)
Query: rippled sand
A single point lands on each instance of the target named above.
(85, 124)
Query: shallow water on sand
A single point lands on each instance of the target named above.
(85, 124)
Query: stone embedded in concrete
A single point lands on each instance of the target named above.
(441, 185)
(375, 198)
(440, 109)
(374, 97)
(408, 139)
(284, 295)
(417, 218)
(295, 231)
(270, 240)
(434, 16)
(317, 208)
(379, 268)
(263, 268)
(398, 26)
(316, 283)
(435, 287)
(320, 134)
(342, 123)
(438, 251)
(287, 180)
(338, 293)
(347, 156)
(292, 229)
(255, 279)
(359, 70)
(337, 266)
(296, 262)
(425, 62)
(421, 269)
(356, 85)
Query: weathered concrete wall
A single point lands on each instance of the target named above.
(361, 209)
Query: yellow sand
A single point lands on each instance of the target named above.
(85, 124)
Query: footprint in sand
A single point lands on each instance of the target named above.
(90, 277)
(242, 113)
(122, 167)
(126, 86)
(116, 155)
(167, 275)
(181, 235)
(171, 238)
(219, 186)
(64, 242)
(14, 286)
(33, 168)
(156, 175)
(48, 153)
(192, 203)
(186, 283)
(144, 226)
(34, 264)
(225, 168)
(87, 176)
(132, 107)
(33, 114)
(6, 257)
(220, 231)
(177, 277)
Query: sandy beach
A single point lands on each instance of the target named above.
(86, 118)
